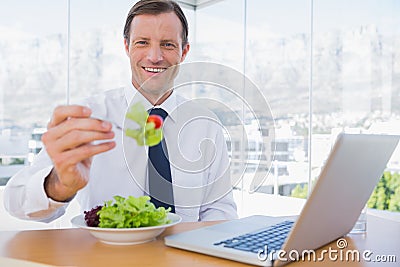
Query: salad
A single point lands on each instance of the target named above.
(150, 126)
(128, 212)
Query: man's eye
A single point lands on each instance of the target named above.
(169, 45)
(139, 43)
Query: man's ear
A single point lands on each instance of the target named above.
(126, 44)
(185, 50)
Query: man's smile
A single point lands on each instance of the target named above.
(154, 70)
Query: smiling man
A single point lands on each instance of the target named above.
(85, 158)
(155, 46)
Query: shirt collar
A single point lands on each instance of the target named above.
(169, 105)
(130, 91)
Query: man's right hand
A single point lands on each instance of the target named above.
(69, 143)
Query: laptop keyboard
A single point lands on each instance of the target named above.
(273, 237)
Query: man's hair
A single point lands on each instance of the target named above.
(156, 7)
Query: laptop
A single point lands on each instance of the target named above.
(351, 172)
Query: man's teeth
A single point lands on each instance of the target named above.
(155, 69)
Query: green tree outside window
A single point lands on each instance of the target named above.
(386, 195)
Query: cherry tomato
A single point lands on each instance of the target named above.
(156, 119)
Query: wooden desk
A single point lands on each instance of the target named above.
(76, 247)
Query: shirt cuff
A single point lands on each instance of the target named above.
(53, 204)
(37, 202)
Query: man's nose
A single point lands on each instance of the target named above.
(155, 54)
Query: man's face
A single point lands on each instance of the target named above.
(155, 44)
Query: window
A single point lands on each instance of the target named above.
(34, 63)
(349, 61)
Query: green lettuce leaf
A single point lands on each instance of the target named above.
(131, 212)
(146, 134)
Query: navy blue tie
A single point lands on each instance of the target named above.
(159, 170)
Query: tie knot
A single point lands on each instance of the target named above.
(158, 111)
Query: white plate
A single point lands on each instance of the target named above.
(126, 236)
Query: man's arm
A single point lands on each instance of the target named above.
(221, 205)
(39, 191)
(24, 195)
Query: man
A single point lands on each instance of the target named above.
(84, 155)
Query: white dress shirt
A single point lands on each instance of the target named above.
(197, 152)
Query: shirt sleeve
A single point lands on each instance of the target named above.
(219, 202)
(24, 195)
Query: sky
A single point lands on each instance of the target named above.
(292, 16)
(43, 17)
